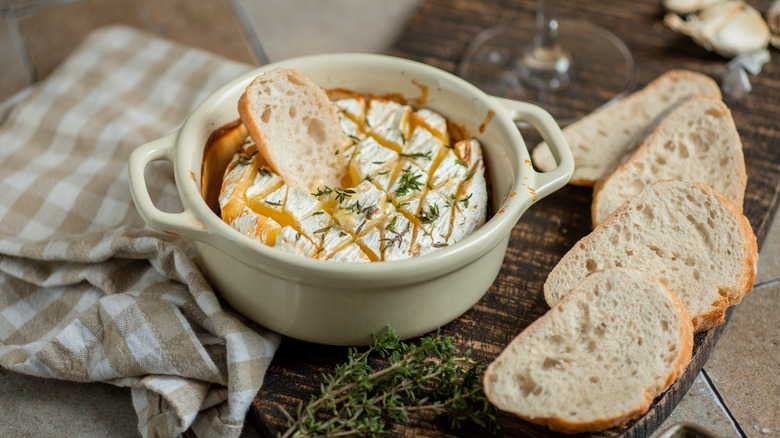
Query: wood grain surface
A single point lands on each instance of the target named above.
(438, 35)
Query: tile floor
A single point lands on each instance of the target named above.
(736, 395)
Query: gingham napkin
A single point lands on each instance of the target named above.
(88, 292)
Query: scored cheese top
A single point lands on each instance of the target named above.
(409, 191)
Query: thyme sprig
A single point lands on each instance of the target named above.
(429, 377)
(409, 181)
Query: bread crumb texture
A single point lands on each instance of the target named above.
(697, 141)
(598, 357)
(599, 140)
(686, 234)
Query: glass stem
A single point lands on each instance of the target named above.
(546, 53)
(546, 25)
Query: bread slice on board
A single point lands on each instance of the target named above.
(686, 234)
(697, 141)
(296, 128)
(600, 139)
(598, 358)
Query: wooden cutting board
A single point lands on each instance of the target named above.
(438, 34)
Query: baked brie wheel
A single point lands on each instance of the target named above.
(408, 192)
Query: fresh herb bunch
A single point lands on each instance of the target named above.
(356, 400)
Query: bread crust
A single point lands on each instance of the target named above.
(743, 283)
(585, 136)
(560, 424)
(659, 139)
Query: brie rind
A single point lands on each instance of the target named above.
(317, 221)
(350, 128)
(300, 205)
(275, 200)
(265, 182)
(449, 174)
(434, 122)
(422, 149)
(353, 107)
(470, 204)
(370, 159)
(397, 236)
(409, 185)
(362, 210)
(350, 253)
(435, 217)
(389, 122)
(292, 241)
(371, 243)
(331, 240)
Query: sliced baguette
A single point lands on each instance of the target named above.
(698, 141)
(596, 359)
(686, 234)
(296, 128)
(600, 139)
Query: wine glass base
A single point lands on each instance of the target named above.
(600, 68)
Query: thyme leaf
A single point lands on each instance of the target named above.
(424, 155)
(429, 215)
(465, 201)
(245, 159)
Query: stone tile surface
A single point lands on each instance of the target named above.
(209, 25)
(769, 257)
(37, 407)
(289, 28)
(701, 406)
(745, 365)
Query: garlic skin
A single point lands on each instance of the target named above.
(773, 20)
(728, 28)
(685, 7)
(773, 17)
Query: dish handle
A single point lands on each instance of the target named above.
(544, 123)
(184, 223)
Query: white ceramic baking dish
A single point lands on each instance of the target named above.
(344, 303)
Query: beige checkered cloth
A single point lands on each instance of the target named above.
(88, 292)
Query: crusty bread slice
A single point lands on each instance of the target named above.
(686, 234)
(296, 128)
(596, 359)
(600, 139)
(697, 141)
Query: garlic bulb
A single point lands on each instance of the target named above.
(773, 20)
(685, 7)
(728, 28)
